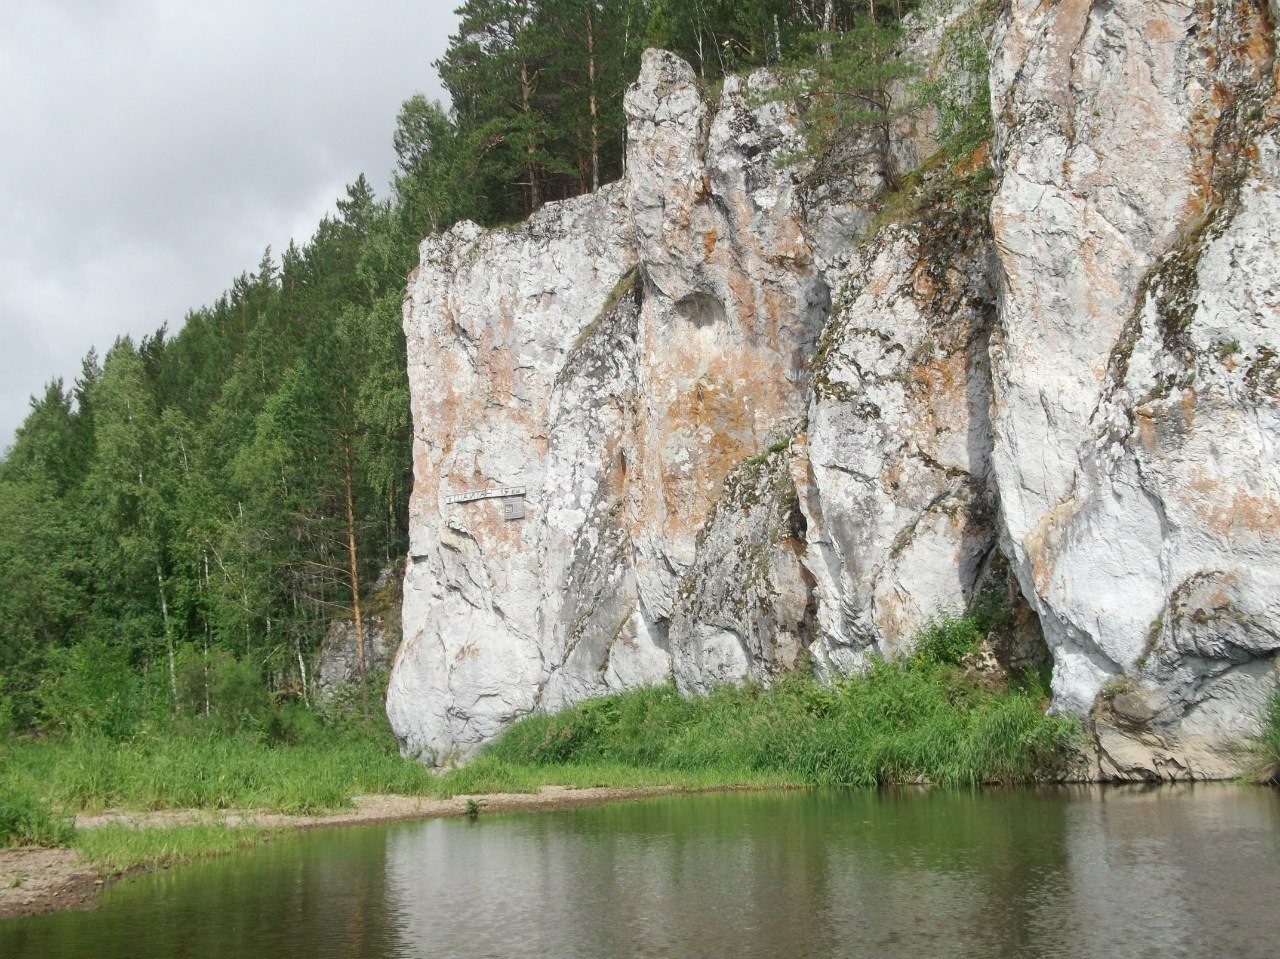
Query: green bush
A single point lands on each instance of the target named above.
(7, 721)
(92, 688)
(1268, 744)
(223, 692)
(25, 821)
(947, 639)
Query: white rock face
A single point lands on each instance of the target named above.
(1135, 400)
(900, 513)
(1079, 384)
(615, 356)
(491, 318)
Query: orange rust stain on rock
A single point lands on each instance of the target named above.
(1187, 406)
(1218, 600)
(1258, 46)
(891, 618)
(794, 250)
(1159, 29)
(924, 285)
(742, 293)
(614, 480)
(937, 397)
(1230, 511)
(709, 241)
(943, 379)
(979, 159)
(1146, 429)
(1042, 544)
(496, 357)
(714, 426)
(879, 284)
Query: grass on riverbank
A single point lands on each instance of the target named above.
(917, 720)
(25, 820)
(118, 848)
(28, 821)
(1267, 746)
(211, 772)
(197, 772)
(921, 719)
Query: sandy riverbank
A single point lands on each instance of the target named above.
(34, 880)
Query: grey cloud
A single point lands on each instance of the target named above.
(153, 149)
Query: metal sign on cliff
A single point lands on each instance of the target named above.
(512, 508)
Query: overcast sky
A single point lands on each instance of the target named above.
(151, 149)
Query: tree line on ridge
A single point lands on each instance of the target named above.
(179, 525)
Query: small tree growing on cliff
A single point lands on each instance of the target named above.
(854, 79)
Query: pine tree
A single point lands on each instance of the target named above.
(493, 71)
(434, 181)
(851, 81)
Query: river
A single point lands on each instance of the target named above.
(1074, 872)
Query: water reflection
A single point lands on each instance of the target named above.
(1057, 872)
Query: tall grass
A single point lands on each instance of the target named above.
(25, 820)
(117, 848)
(210, 772)
(914, 720)
(1267, 744)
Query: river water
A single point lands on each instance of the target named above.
(1075, 872)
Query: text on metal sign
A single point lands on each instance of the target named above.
(475, 494)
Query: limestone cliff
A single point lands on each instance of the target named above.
(613, 358)
(1135, 364)
(718, 419)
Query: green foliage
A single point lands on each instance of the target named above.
(1267, 745)
(909, 721)
(26, 821)
(947, 639)
(207, 769)
(92, 688)
(847, 82)
(239, 696)
(537, 90)
(120, 848)
(41, 600)
(959, 86)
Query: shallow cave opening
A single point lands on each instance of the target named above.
(701, 309)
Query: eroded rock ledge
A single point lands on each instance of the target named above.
(744, 436)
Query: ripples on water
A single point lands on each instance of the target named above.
(1072, 872)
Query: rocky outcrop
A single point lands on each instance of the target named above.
(492, 318)
(336, 671)
(1134, 364)
(745, 607)
(726, 418)
(614, 358)
(898, 502)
